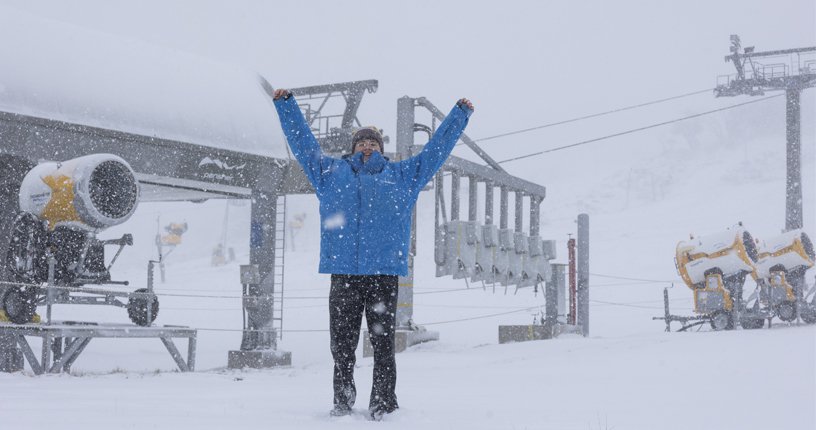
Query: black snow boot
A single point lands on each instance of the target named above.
(376, 413)
(340, 410)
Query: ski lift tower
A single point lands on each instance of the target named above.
(792, 70)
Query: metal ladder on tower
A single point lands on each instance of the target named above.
(280, 251)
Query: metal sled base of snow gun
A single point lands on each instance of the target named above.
(719, 320)
(63, 342)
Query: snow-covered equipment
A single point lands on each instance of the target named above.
(537, 267)
(783, 261)
(505, 263)
(714, 267)
(461, 241)
(521, 249)
(486, 255)
(63, 205)
(93, 192)
(729, 253)
(787, 252)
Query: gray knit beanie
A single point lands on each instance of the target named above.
(367, 133)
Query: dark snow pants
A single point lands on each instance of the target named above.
(350, 296)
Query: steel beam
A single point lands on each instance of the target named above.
(519, 212)
(405, 141)
(583, 273)
(473, 189)
(793, 188)
(535, 215)
(488, 203)
(259, 334)
(422, 101)
(504, 207)
(465, 167)
(456, 180)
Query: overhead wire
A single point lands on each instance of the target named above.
(477, 317)
(628, 305)
(625, 278)
(482, 316)
(635, 130)
(594, 115)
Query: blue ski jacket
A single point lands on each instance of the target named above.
(365, 208)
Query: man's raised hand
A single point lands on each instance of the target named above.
(465, 102)
(281, 93)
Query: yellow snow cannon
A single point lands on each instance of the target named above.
(714, 267)
(91, 193)
(63, 206)
(783, 261)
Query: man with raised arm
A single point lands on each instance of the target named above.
(366, 203)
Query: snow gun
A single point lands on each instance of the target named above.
(714, 267)
(782, 291)
(89, 193)
(63, 205)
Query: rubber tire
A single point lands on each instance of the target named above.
(808, 313)
(752, 323)
(137, 309)
(786, 311)
(19, 306)
(721, 320)
(27, 233)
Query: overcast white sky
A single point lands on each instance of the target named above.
(523, 63)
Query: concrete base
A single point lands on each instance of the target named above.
(402, 340)
(258, 359)
(568, 329)
(523, 333)
(11, 356)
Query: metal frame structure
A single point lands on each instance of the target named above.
(754, 78)
(63, 342)
(491, 175)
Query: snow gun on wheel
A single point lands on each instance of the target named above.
(53, 238)
(715, 267)
(781, 288)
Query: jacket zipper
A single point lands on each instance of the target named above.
(359, 218)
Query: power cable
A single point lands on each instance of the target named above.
(625, 304)
(262, 330)
(424, 324)
(482, 316)
(631, 279)
(425, 305)
(567, 121)
(444, 291)
(584, 142)
(622, 284)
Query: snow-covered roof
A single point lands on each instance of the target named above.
(61, 71)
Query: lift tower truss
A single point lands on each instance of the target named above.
(791, 70)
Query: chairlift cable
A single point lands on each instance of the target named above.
(635, 130)
(567, 121)
(631, 279)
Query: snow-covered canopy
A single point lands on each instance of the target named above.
(60, 71)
